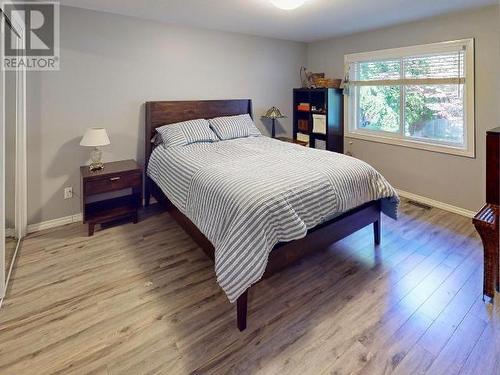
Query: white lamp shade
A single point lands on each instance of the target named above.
(95, 137)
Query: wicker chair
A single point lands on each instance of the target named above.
(486, 222)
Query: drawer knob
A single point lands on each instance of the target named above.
(114, 178)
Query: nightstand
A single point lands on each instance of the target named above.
(290, 140)
(116, 176)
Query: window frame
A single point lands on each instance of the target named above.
(399, 139)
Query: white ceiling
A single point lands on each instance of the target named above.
(316, 19)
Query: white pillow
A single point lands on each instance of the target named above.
(230, 127)
(187, 132)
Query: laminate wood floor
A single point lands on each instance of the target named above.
(141, 299)
(10, 249)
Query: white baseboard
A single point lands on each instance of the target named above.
(418, 198)
(10, 232)
(437, 204)
(35, 227)
(54, 223)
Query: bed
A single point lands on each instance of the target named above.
(256, 204)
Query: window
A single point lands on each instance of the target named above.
(421, 96)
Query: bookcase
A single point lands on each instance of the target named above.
(318, 116)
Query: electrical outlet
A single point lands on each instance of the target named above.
(68, 192)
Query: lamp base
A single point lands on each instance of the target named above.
(94, 167)
(96, 158)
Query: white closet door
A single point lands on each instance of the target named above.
(2, 163)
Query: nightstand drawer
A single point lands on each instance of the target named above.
(104, 185)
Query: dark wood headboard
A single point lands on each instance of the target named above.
(170, 112)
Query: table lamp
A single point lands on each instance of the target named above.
(95, 137)
(273, 113)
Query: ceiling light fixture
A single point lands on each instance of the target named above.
(288, 4)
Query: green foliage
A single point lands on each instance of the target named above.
(379, 108)
(417, 112)
(429, 110)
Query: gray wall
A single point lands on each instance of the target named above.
(111, 65)
(451, 179)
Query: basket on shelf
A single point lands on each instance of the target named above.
(327, 83)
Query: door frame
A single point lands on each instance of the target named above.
(21, 166)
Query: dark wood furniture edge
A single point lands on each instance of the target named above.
(116, 208)
(283, 254)
(486, 222)
(487, 219)
(291, 140)
(111, 168)
(493, 166)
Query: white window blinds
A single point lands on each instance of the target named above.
(419, 68)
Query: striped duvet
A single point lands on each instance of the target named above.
(247, 194)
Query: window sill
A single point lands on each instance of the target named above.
(445, 149)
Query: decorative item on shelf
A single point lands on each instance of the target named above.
(303, 138)
(317, 80)
(320, 144)
(327, 83)
(273, 114)
(306, 78)
(95, 137)
(315, 77)
(344, 85)
(304, 107)
(303, 125)
(319, 124)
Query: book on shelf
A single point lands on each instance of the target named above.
(320, 144)
(303, 125)
(303, 137)
(304, 107)
(319, 124)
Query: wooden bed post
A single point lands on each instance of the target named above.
(241, 307)
(147, 190)
(150, 131)
(376, 231)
